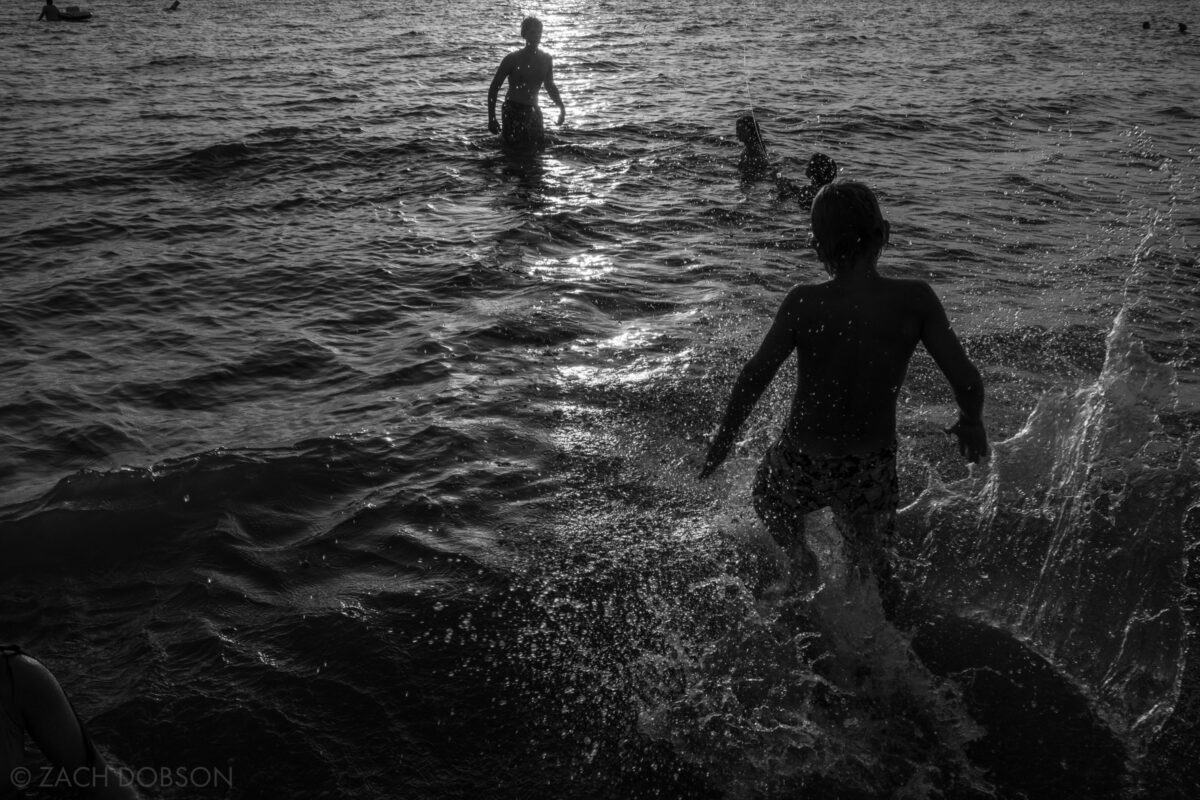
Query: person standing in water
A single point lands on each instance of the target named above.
(754, 163)
(526, 70)
(49, 12)
(853, 336)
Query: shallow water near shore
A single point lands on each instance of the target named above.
(342, 448)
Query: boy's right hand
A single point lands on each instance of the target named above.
(972, 440)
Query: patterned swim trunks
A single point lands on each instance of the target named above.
(858, 487)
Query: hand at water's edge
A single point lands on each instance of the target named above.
(493, 125)
(562, 116)
(972, 440)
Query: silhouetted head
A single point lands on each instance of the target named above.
(847, 224)
(1146, 25)
(1182, 28)
(531, 30)
(747, 130)
(821, 169)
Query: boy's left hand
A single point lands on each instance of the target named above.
(972, 440)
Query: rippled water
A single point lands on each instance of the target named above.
(339, 442)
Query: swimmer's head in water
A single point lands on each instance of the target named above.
(531, 30)
(846, 223)
(747, 129)
(821, 169)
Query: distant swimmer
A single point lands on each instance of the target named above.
(32, 701)
(526, 70)
(174, 6)
(853, 336)
(821, 171)
(49, 12)
(754, 163)
(1182, 28)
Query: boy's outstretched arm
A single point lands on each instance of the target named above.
(754, 378)
(947, 352)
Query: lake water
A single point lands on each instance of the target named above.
(343, 449)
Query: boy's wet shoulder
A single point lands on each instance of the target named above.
(912, 294)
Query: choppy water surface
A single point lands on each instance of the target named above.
(336, 441)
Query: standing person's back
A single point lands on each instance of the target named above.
(853, 336)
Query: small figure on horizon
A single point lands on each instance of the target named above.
(821, 171)
(526, 70)
(754, 163)
(31, 700)
(853, 336)
(49, 12)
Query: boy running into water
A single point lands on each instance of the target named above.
(853, 336)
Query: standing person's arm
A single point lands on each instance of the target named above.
(552, 90)
(494, 91)
(754, 378)
(964, 378)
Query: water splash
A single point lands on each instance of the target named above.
(1072, 538)
(662, 634)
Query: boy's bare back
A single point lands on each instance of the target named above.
(853, 335)
(853, 340)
